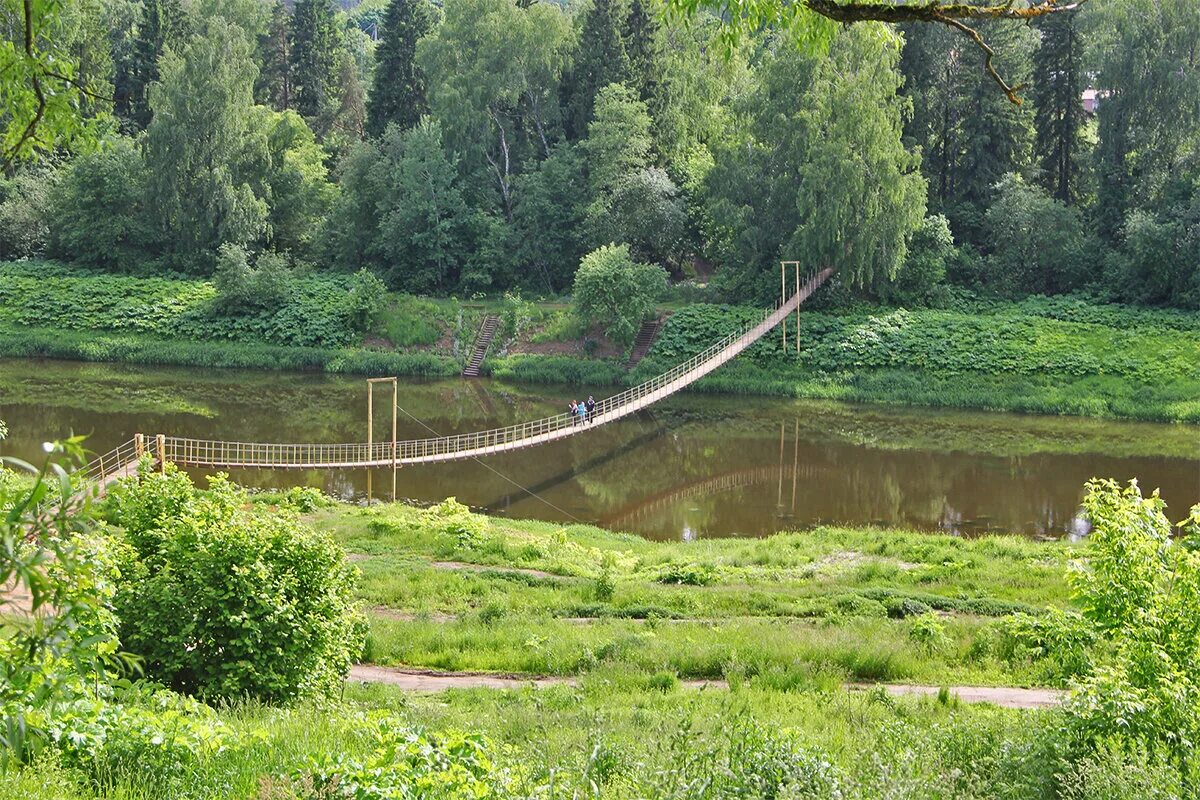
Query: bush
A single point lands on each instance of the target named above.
(225, 600)
(1061, 639)
(614, 291)
(407, 763)
(685, 574)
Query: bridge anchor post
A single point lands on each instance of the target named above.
(160, 446)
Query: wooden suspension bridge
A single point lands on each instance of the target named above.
(123, 460)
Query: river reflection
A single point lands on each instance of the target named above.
(693, 466)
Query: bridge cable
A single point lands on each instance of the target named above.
(489, 467)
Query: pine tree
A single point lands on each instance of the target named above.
(1059, 117)
(162, 23)
(274, 86)
(315, 45)
(601, 60)
(398, 93)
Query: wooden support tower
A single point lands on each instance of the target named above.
(783, 296)
(371, 429)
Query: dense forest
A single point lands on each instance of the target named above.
(485, 145)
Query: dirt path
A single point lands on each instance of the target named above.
(420, 680)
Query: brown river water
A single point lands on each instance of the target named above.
(693, 466)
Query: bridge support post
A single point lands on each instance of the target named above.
(371, 431)
(783, 267)
(160, 446)
(139, 445)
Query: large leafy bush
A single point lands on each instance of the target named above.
(614, 291)
(223, 599)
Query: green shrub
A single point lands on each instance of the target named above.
(685, 574)
(223, 599)
(407, 763)
(929, 634)
(1061, 639)
(317, 311)
(614, 291)
(451, 518)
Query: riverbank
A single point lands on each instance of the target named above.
(1041, 355)
(446, 589)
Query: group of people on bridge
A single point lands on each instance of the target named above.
(583, 412)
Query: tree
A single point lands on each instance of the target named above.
(493, 67)
(550, 219)
(641, 38)
(315, 45)
(814, 22)
(821, 174)
(398, 93)
(1038, 244)
(425, 228)
(1058, 72)
(100, 209)
(618, 142)
(1149, 103)
(162, 24)
(995, 135)
(43, 90)
(600, 60)
(614, 291)
(274, 85)
(202, 147)
(646, 212)
(297, 189)
(924, 270)
(25, 203)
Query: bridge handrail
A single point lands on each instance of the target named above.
(202, 451)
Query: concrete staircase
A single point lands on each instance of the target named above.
(644, 341)
(482, 342)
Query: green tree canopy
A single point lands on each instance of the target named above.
(398, 94)
(821, 175)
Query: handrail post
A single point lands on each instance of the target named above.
(160, 444)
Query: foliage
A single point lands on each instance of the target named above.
(1141, 591)
(307, 312)
(101, 208)
(25, 212)
(199, 155)
(225, 601)
(398, 94)
(1061, 640)
(924, 270)
(1039, 244)
(43, 86)
(61, 642)
(854, 198)
(614, 291)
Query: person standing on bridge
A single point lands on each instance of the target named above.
(582, 409)
(574, 412)
(591, 409)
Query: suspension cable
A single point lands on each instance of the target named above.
(490, 468)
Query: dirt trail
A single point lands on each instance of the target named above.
(420, 680)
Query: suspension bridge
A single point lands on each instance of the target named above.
(123, 460)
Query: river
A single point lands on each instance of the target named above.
(693, 466)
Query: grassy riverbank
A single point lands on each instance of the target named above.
(451, 590)
(780, 622)
(1048, 356)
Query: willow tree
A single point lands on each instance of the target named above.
(821, 174)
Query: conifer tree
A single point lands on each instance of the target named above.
(1059, 117)
(641, 45)
(398, 93)
(162, 23)
(600, 60)
(274, 86)
(315, 46)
